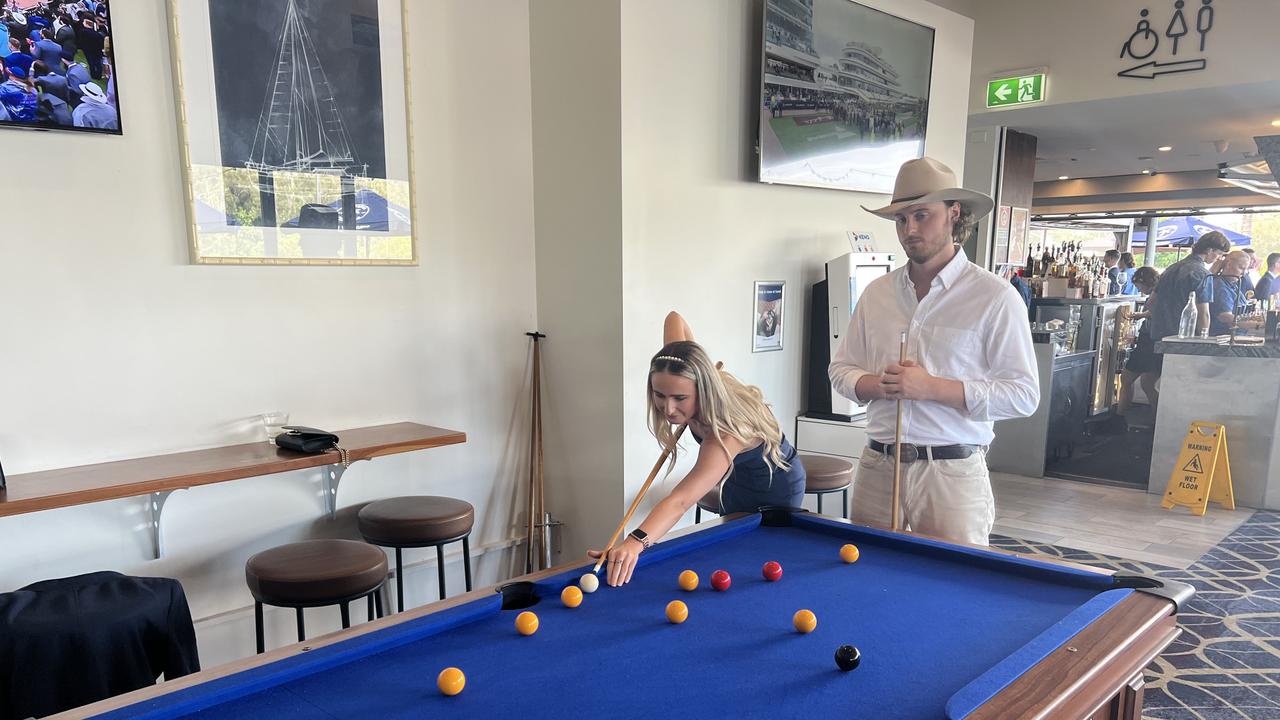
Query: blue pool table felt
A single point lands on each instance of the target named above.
(941, 630)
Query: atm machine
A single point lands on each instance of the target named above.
(833, 424)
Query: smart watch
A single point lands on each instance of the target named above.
(641, 537)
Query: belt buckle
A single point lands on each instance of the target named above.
(908, 453)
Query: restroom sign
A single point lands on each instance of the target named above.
(1016, 90)
(1202, 473)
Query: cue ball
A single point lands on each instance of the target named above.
(720, 581)
(677, 612)
(589, 583)
(772, 571)
(805, 621)
(688, 580)
(526, 623)
(849, 553)
(571, 596)
(847, 657)
(451, 681)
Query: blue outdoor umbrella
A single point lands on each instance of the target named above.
(1184, 231)
(373, 213)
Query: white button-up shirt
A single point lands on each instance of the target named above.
(971, 326)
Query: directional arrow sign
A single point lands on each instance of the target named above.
(1020, 90)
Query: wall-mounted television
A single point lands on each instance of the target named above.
(57, 71)
(844, 94)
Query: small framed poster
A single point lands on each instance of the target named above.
(766, 315)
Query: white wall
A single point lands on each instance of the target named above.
(116, 347)
(697, 228)
(1080, 42)
(577, 169)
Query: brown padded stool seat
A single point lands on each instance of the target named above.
(315, 571)
(415, 520)
(826, 473)
(709, 502)
(419, 521)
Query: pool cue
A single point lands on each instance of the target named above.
(535, 453)
(662, 459)
(897, 438)
(604, 554)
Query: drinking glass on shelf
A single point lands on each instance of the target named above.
(274, 422)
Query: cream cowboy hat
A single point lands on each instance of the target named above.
(925, 181)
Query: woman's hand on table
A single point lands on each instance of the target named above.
(621, 562)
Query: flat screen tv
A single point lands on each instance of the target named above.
(57, 70)
(844, 94)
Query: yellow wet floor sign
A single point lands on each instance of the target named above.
(1202, 472)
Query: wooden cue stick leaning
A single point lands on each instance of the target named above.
(897, 439)
(534, 454)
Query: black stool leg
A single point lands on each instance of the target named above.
(466, 559)
(697, 514)
(369, 610)
(440, 567)
(844, 494)
(399, 582)
(346, 615)
(819, 503)
(257, 622)
(302, 630)
(377, 601)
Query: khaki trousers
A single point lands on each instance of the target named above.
(949, 499)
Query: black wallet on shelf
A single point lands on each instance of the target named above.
(306, 440)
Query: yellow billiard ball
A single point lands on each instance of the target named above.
(689, 580)
(526, 623)
(805, 621)
(677, 612)
(849, 553)
(571, 596)
(451, 681)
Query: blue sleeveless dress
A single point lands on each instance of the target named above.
(751, 485)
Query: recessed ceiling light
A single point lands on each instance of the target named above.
(1275, 123)
(1062, 177)
(1165, 148)
(1146, 172)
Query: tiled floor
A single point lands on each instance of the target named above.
(1112, 521)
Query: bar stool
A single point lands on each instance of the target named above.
(419, 521)
(827, 474)
(315, 573)
(709, 502)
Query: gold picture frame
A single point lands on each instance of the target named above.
(298, 166)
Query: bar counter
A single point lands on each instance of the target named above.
(1237, 386)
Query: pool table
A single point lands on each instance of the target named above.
(944, 630)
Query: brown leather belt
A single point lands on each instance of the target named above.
(911, 453)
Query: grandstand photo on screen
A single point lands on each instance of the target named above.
(844, 94)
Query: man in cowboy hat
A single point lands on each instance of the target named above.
(970, 363)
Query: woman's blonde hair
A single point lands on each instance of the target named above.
(725, 404)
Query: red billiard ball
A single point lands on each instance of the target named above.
(772, 571)
(720, 581)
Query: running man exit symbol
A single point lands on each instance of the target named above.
(1019, 90)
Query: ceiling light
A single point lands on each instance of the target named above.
(1146, 172)
(1165, 148)
(1062, 177)
(1275, 123)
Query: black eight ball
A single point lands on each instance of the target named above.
(847, 657)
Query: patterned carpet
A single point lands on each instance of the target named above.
(1226, 663)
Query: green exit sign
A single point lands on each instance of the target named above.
(1020, 90)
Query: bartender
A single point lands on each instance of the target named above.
(1229, 295)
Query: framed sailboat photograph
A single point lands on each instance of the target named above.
(294, 116)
